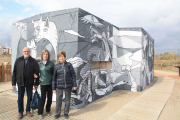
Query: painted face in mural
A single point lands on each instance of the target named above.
(40, 29)
(40, 32)
(26, 52)
(61, 58)
(37, 35)
(45, 56)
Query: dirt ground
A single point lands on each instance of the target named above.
(5, 58)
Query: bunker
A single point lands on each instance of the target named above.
(105, 57)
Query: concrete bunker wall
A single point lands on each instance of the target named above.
(105, 57)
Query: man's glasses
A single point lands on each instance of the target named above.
(26, 51)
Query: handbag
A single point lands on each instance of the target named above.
(35, 101)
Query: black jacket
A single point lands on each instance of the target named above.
(63, 76)
(18, 76)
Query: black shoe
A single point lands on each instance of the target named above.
(56, 116)
(66, 116)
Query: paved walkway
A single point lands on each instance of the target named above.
(126, 105)
(9, 106)
(4, 86)
(147, 106)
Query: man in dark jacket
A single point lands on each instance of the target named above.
(24, 72)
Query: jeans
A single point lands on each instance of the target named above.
(21, 91)
(45, 89)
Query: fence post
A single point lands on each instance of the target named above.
(1, 73)
(161, 66)
(9, 72)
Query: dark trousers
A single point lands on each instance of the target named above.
(45, 89)
(21, 91)
(59, 96)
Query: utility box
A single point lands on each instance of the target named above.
(105, 57)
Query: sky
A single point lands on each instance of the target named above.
(160, 18)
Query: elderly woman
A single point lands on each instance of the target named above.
(64, 78)
(45, 80)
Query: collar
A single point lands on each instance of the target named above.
(44, 62)
(64, 62)
(22, 58)
(26, 59)
(47, 61)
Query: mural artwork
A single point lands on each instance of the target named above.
(86, 38)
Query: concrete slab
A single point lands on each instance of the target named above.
(147, 106)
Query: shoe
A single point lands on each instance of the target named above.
(40, 117)
(29, 114)
(66, 116)
(20, 116)
(48, 114)
(56, 116)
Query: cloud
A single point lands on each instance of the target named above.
(23, 2)
(161, 19)
(26, 9)
(6, 28)
(1, 7)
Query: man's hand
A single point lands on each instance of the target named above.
(54, 91)
(74, 88)
(35, 76)
(14, 86)
(36, 87)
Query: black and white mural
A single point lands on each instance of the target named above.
(86, 38)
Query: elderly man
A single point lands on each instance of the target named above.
(24, 72)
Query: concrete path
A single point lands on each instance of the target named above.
(4, 86)
(9, 106)
(147, 106)
(120, 104)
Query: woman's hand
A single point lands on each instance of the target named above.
(36, 87)
(35, 76)
(74, 88)
(54, 91)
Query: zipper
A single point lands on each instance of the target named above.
(44, 67)
(64, 75)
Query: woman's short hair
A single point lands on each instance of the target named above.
(44, 52)
(61, 53)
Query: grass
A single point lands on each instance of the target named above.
(8, 55)
(168, 60)
(4, 55)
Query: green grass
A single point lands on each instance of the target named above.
(8, 55)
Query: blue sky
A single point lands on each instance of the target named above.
(160, 18)
(13, 9)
